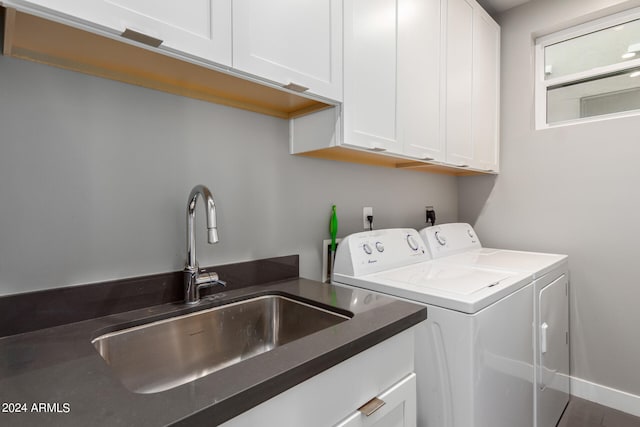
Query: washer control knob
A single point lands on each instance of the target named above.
(411, 241)
(379, 246)
(367, 248)
(470, 233)
(440, 238)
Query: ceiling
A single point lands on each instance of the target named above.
(499, 6)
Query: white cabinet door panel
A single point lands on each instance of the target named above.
(370, 88)
(486, 87)
(472, 86)
(419, 64)
(290, 41)
(201, 29)
(459, 65)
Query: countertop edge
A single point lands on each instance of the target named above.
(64, 353)
(221, 412)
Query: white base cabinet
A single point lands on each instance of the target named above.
(332, 398)
(397, 410)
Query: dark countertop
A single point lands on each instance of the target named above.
(59, 366)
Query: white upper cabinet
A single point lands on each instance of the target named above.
(416, 79)
(459, 81)
(200, 29)
(419, 79)
(293, 43)
(472, 86)
(421, 82)
(486, 92)
(392, 76)
(370, 75)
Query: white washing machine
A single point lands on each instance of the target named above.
(473, 353)
(458, 244)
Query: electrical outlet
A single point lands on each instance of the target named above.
(368, 211)
(430, 215)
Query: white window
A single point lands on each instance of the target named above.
(589, 72)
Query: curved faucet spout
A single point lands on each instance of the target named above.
(193, 282)
(210, 211)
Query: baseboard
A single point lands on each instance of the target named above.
(607, 396)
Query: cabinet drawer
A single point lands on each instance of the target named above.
(334, 394)
(398, 408)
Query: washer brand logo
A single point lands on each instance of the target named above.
(372, 261)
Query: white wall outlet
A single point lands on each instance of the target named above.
(368, 211)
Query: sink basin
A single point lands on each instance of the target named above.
(174, 351)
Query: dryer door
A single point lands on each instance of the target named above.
(552, 367)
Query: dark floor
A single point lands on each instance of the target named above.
(582, 413)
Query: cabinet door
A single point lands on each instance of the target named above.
(486, 91)
(330, 396)
(459, 81)
(370, 75)
(290, 42)
(419, 63)
(399, 409)
(200, 29)
(472, 86)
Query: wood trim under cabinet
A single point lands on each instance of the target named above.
(344, 154)
(9, 18)
(40, 40)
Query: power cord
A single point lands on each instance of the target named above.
(370, 219)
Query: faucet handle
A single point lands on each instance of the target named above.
(205, 279)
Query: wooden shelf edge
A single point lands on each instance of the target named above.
(9, 18)
(36, 39)
(349, 155)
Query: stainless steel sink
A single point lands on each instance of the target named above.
(171, 352)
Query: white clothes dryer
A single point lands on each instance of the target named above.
(457, 244)
(473, 353)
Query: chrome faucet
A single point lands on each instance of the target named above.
(193, 279)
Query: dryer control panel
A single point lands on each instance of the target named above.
(449, 239)
(373, 251)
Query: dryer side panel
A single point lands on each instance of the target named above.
(552, 359)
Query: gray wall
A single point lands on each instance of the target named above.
(95, 174)
(571, 190)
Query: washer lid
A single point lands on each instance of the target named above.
(536, 263)
(456, 280)
(455, 287)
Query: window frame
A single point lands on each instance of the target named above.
(542, 84)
